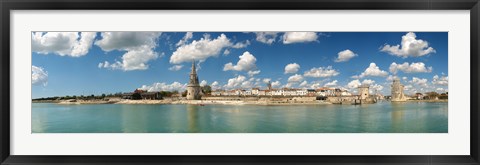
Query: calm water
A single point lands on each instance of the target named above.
(383, 117)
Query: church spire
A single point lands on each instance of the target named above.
(194, 70)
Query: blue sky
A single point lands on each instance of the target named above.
(85, 63)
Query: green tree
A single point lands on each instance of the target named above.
(136, 96)
(432, 95)
(207, 89)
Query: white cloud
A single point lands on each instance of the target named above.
(266, 80)
(295, 78)
(126, 41)
(332, 83)
(104, 64)
(315, 85)
(440, 80)
(276, 84)
(376, 87)
(368, 82)
(188, 35)
(226, 52)
(246, 63)
(288, 85)
(239, 45)
(292, 68)
(296, 37)
(372, 70)
(266, 37)
(133, 60)
(39, 76)
(246, 84)
(203, 83)
(138, 46)
(418, 67)
(74, 44)
(215, 84)
(419, 81)
(303, 84)
(253, 73)
(354, 84)
(441, 90)
(202, 49)
(345, 55)
(175, 86)
(235, 82)
(321, 72)
(410, 47)
(390, 78)
(175, 67)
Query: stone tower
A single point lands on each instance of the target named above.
(269, 86)
(363, 91)
(193, 87)
(397, 91)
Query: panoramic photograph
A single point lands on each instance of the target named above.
(239, 82)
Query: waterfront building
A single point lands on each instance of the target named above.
(247, 92)
(262, 92)
(302, 92)
(255, 91)
(397, 91)
(193, 87)
(289, 92)
(276, 92)
(325, 91)
(269, 93)
(217, 92)
(311, 92)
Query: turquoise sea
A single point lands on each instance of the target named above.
(382, 117)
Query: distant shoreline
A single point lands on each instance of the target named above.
(192, 102)
(199, 102)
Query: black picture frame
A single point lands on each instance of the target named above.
(9, 5)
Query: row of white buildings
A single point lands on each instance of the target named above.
(324, 91)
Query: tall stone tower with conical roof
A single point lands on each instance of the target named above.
(193, 87)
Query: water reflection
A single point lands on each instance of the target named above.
(134, 120)
(192, 115)
(398, 110)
